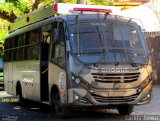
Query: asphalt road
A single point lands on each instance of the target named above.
(34, 111)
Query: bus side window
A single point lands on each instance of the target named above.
(58, 48)
(33, 48)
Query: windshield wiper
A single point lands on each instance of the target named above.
(131, 61)
(101, 58)
(134, 64)
(101, 36)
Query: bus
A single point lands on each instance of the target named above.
(89, 58)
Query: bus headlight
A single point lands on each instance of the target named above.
(77, 82)
(146, 82)
(75, 79)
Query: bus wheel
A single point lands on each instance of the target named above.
(61, 110)
(20, 99)
(125, 109)
(19, 95)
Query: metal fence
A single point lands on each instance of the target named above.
(151, 34)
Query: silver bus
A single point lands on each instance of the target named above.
(82, 60)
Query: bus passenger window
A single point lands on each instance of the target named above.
(33, 47)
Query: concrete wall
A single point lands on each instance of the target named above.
(148, 13)
(154, 49)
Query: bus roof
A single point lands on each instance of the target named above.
(69, 18)
(60, 9)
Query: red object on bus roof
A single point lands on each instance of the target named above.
(93, 9)
(55, 7)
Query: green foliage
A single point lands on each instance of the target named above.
(3, 34)
(18, 10)
(15, 2)
(3, 29)
(6, 7)
(74, 1)
(45, 2)
(69, 1)
(102, 2)
(22, 6)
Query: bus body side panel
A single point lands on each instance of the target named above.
(57, 76)
(28, 73)
(8, 77)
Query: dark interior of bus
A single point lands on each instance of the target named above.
(46, 37)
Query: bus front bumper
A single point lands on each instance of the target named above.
(81, 97)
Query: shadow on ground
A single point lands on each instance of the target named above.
(77, 114)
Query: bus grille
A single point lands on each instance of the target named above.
(115, 77)
(102, 99)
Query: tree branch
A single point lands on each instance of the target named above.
(8, 16)
(82, 1)
(35, 5)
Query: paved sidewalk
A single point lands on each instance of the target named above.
(4, 94)
(153, 108)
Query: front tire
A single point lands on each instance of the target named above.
(125, 109)
(60, 109)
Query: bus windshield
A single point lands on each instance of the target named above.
(113, 42)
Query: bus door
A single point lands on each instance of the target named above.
(57, 64)
(46, 38)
